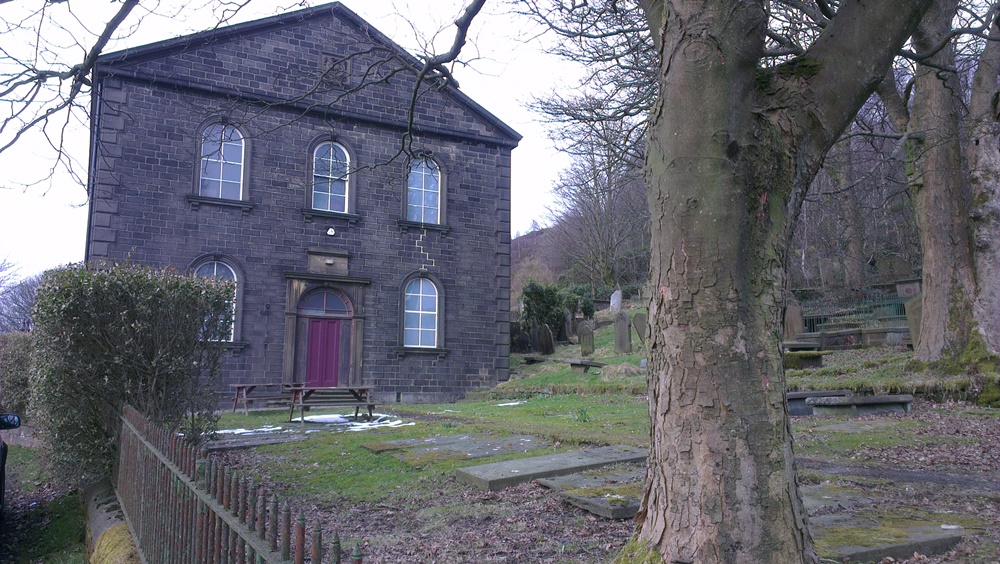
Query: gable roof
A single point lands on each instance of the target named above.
(110, 64)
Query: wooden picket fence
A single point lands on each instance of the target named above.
(181, 507)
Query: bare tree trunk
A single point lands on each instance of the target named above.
(939, 193)
(724, 183)
(984, 157)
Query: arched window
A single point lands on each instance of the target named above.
(328, 303)
(222, 162)
(423, 192)
(420, 314)
(222, 271)
(330, 183)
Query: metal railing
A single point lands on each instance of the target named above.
(889, 313)
(182, 507)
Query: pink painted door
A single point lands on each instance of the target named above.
(324, 352)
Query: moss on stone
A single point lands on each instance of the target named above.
(614, 494)
(115, 547)
(990, 396)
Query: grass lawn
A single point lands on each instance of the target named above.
(568, 410)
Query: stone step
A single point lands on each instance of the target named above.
(499, 475)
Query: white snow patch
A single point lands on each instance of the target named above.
(510, 403)
(344, 423)
(266, 429)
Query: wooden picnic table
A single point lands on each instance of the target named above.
(304, 397)
(244, 393)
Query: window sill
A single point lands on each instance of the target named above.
(198, 201)
(403, 351)
(406, 225)
(310, 215)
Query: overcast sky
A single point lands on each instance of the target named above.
(43, 225)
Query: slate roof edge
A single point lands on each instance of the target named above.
(167, 46)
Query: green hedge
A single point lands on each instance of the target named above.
(15, 368)
(124, 334)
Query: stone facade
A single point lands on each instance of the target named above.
(289, 83)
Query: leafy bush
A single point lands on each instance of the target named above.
(580, 297)
(15, 367)
(543, 305)
(126, 334)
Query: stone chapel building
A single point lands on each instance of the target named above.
(369, 245)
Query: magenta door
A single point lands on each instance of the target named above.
(323, 356)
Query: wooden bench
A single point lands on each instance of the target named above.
(797, 400)
(583, 365)
(305, 397)
(248, 393)
(861, 405)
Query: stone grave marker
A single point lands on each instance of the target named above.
(793, 318)
(640, 322)
(541, 339)
(568, 323)
(616, 301)
(623, 333)
(586, 339)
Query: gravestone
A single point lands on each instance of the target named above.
(623, 333)
(640, 322)
(914, 310)
(568, 323)
(543, 343)
(793, 318)
(616, 301)
(586, 339)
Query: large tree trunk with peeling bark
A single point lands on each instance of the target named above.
(731, 150)
(984, 159)
(940, 193)
(960, 292)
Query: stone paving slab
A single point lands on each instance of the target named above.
(252, 440)
(925, 539)
(417, 452)
(499, 475)
(612, 493)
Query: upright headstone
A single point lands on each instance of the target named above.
(914, 310)
(586, 338)
(639, 322)
(568, 323)
(623, 333)
(616, 301)
(546, 343)
(793, 318)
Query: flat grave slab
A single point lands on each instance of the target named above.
(417, 452)
(861, 405)
(612, 492)
(836, 513)
(499, 475)
(796, 401)
(252, 440)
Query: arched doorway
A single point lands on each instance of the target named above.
(324, 316)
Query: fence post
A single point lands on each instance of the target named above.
(272, 522)
(286, 530)
(335, 549)
(300, 538)
(317, 545)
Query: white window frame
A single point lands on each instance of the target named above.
(417, 190)
(415, 334)
(329, 177)
(218, 166)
